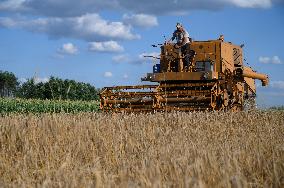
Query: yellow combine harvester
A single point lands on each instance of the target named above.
(209, 75)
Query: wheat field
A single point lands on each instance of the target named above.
(213, 149)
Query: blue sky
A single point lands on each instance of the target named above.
(103, 42)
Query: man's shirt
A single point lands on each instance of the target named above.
(182, 37)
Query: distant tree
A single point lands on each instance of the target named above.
(277, 108)
(31, 90)
(8, 84)
(58, 89)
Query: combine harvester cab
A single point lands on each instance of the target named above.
(206, 75)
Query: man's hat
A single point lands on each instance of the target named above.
(178, 25)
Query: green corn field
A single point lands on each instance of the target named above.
(46, 106)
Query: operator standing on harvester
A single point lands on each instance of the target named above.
(181, 35)
(183, 42)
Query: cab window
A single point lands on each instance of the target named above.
(203, 66)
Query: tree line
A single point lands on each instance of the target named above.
(54, 89)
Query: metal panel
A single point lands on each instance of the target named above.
(227, 57)
(167, 76)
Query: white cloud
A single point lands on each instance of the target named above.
(145, 58)
(139, 59)
(269, 60)
(252, 3)
(71, 8)
(276, 60)
(125, 76)
(12, 5)
(89, 27)
(108, 74)
(108, 46)
(120, 58)
(264, 60)
(9, 22)
(180, 7)
(140, 20)
(58, 55)
(277, 84)
(68, 48)
(78, 19)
